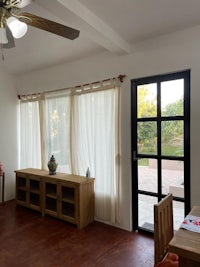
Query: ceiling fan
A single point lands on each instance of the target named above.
(13, 23)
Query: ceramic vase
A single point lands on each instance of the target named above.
(52, 165)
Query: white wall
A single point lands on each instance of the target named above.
(175, 52)
(8, 133)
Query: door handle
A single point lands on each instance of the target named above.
(134, 156)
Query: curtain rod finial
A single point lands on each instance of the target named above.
(121, 77)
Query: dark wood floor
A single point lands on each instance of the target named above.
(29, 240)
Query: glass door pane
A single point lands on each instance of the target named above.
(146, 209)
(147, 100)
(147, 137)
(147, 175)
(147, 182)
(172, 98)
(173, 177)
(172, 138)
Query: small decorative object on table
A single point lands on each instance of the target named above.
(52, 165)
(88, 173)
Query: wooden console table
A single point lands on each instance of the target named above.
(2, 188)
(64, 196)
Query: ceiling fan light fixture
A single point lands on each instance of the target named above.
(17, 27)
(3, 36)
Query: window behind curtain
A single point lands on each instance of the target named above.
(57, 114)
(30, 144)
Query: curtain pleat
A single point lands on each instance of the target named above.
(30, 141)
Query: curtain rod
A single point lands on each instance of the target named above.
(120, 77)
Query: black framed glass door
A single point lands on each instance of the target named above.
(160, 125)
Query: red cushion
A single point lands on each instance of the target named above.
(171, 260)
(171, 257)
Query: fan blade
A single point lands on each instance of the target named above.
(11, 42)
(49, 26)
(23, 3)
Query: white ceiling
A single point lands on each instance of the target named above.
(105, 25)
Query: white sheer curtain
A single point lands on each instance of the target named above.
(94, 139)
(57, 133)
(81, 129)
(30, 144)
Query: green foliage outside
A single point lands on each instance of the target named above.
(171, 131)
